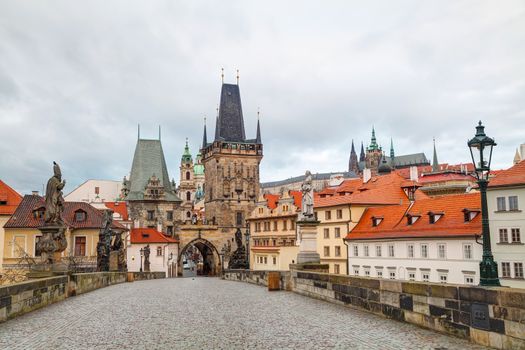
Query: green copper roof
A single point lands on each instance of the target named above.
(373, 143)
(198, 168)
(186, 156)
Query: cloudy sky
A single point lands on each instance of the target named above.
(76, 77)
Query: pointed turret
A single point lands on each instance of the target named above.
(186, 156)
(258, 137)
(517, 157)
(435, 164)
(373, 142)
(204, 136)
(362, 154)
(230, 122)
(392, 154)
(352, 163)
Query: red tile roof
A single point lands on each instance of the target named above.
(515, 175)
(425, 169)
(383, 189)
(118, 207)
(440, 177)
(149, 235)
(11, 197)
(395, 224)
(23, 217)
(271, 200)
(297, 198)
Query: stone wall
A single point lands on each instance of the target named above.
(80, 283)
(258, 277)
(20, 298)
(488, 316)
(139, 276)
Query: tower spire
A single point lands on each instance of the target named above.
(362, 154)
(204, 136)
(435, 165)
(138, 131)
(258, 137)
(222, 75)
(237, 77)
(373, 142)
(352, 163)
(159, 132)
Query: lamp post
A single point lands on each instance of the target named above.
(170, 267)
(481, 152)
(222, 253)
(141, 255)
(247, 236)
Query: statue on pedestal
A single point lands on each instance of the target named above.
(238, 259)
(147, 252)
(307, 212)
(104, 242)
(118, 248)
(53, 239)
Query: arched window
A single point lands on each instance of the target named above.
(188, 196)
(188, 214)
(187, 175)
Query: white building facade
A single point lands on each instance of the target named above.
(163, 251)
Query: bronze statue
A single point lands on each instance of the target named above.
(54, 200)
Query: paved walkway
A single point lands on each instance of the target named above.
(208, 313)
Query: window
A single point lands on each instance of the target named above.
(367, 272)
(274, 260)
(339, 214)
(326, 251)
(37, 251)
(337, 233)
(80, 216)
(328, 215)
(467, 251)
(188, 214)
(169, 215)
(169, 230)
(518, 270)
(275, 225)
(442, 252)
(513, 202)
(356, 250)
(80, 246)
(239, 219)
(365, 250)
(392, 275)
(391, 250)
(356, 270)
(378, 250)
(411, 276)
(443, 278)
(97, 190)
(505, 269)
(424, 251)
(188, 175)
(515, 233)
(469, 280)
(292, 225)
(337, 250)
(503, 235)
(159, 251)
(410, 249)
(274, 242)
(376, 220)
(265, 260)
(326, 233)
(425, 276)
(188, 196)
(336, 268)
(151, 215)
(379, 273)
(285, 225)
(501, 203)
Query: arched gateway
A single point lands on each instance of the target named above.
(205, 255)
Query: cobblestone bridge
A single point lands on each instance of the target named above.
(204, 313)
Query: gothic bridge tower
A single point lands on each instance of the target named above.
(231, 163)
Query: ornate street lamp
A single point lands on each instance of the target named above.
(481, 151)
(141, 255)
(247, 236)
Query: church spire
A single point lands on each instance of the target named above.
(204, 136)
(352, 163)
(373, 142)
(392, 154)
(362, 154)
(258, 137)
(435, 164)
(186, 156)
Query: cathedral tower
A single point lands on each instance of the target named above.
(231, 164)
(187, 186)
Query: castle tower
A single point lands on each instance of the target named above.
(374, 154)
(187, 186)
(231, 164)
(353, 164)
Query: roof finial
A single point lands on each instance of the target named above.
(258, 113)
(237, 77)
(138, 131)
(222, 75)
(159, 132)
(435, 164)
(217, 110)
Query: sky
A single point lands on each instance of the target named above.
(76, 78)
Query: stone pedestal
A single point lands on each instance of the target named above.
(307, 230)
(113, 261)
(52, 243)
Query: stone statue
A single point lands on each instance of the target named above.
(307, 213)
(104, 242)
(54, 200)
(238, 259)
(147, 252)
(118, 246)
(238, 238)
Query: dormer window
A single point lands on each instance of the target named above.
(39, 213)
(412, 218)
(470, 214)
(376, 220)
(434, 216)
(145, 235)
(80, 215)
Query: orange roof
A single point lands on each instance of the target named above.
(149, 235)
(439, 177)
(515, 175)
(10, 197)
(425, 169)
(271, 200)
(297, 198)
(395, 223)
(118, 207)
(383, 189)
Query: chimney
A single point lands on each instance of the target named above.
(522, 151)
(34, 193)
(136, 224)
(159, 226)
(413, 173)
(367, 175)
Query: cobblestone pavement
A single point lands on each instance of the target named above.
(208, 313)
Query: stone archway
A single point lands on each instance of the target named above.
(211, 262)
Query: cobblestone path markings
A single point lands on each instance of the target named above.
(208, 313)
